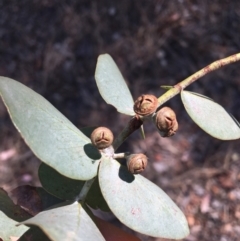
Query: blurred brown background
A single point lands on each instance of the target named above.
(52, 47)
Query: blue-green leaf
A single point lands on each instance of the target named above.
(57, 184)
(50, 135)
(33, 199)
(140, 204)
(112, 86)
(68, 189)
(10, 215)
(70, 222)
(10, 209)
(8, 228)
(210, 116)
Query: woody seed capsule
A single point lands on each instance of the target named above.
(102, 137)
(166, 122)
(136, 163)
(145, 105)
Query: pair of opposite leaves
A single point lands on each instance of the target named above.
(137, 202)
(61, 145)
(33, 114)
(206, 113)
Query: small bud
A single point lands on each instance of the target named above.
(102, 137)
(166, 122)
(136, 163)
(145, 105)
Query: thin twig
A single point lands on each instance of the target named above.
(120, 155)
(136, 123)
(183, 84)
(84, 191)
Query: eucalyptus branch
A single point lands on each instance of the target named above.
(85, 189)
(183, 84)
(116, 184)
(135, 123)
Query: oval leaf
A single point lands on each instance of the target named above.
(68, 189)
(57, 184)
(10, 215)
(10, 209)
(95, 198)
(50, 135)
(8, 228)
(210, 116)
(33, 199)
(69, 222)
(112, 86)
(140, 204)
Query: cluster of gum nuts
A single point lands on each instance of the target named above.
(145, 107)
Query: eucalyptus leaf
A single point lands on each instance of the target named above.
(112, 85)
(140, 204)
(47, 199)
(68, 189)
(13, 211)
(33, 199)
(69, 222)
(95, 198)
(210, 116)
(34, 234)
(50, 135)
(10, 215)
(8, 229)
(57, 184)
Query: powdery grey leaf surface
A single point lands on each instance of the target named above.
(70, 223)
(10, 215)
(210, 116)
(112, 85)
(50, 135)
(140, 204)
